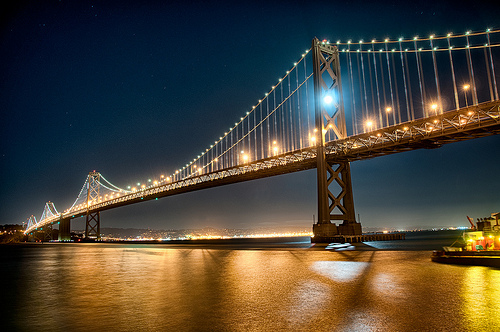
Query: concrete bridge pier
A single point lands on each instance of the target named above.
(64, 230)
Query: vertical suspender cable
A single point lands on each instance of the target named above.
(268, 120)
(292, 145)
(298, 107)
(420, 79)
(488, 73)
(360, 87)
(471, 70)
(232, 150)
(254, 127)
(261, 155)
(383, 81)
(353, 100)
(492, 66)
(408, 117)
(283, 116)
(381, 124)
(396, 86)
(226, 153)
(457, 104)
(390, 84)
(364, 83)
(410, 94)
(275, 115)
(436, 77)
(249, 133)
(374, 109)
(307, 101)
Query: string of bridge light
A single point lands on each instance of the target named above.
(248, 113)
(394, 102)
(416, 38)
(79, 195)
(192, 169)
(179, 173)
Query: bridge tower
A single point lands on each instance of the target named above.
(93, 222)
(335, 198)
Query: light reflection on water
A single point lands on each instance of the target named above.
(339, 270)
(90, 287)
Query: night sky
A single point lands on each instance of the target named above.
(135, 89)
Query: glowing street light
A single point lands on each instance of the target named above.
(434, 107)
(466, 88)
(369, 125)
(387, 111)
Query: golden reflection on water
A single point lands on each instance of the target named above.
(481, 298)
(95, 287)
(339, 270)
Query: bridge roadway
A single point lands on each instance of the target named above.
(431, 132)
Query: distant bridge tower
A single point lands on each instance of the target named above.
(93, 223)
(335, 199)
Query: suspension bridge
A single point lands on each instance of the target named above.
(340, 102)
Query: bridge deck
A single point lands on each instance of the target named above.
(432, 132)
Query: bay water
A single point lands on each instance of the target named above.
(279, 285)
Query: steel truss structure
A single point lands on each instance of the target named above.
(93, 219)
(432, 132)
(333, 203)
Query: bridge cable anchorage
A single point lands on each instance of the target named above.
(445, 74)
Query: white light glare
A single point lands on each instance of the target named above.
(328, 99)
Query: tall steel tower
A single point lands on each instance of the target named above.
(93, 223)
(335, 199)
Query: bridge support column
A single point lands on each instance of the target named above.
(329, 115)
(93, 226)
(93, 223)
(64, 230)
(47, 232)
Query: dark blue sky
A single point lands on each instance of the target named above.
(134, 89)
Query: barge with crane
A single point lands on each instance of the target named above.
(480, 245)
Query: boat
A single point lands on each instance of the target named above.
(480, 245)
